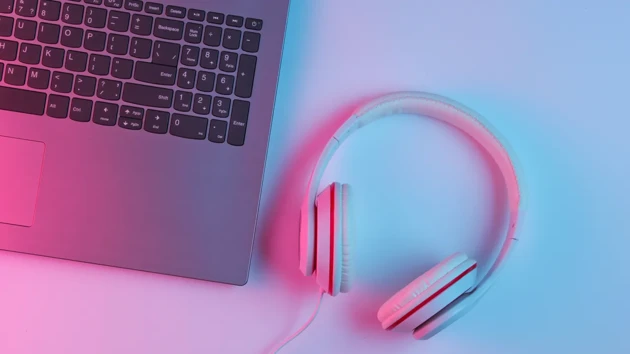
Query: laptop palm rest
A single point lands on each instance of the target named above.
(20, 170)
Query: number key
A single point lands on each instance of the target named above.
(228, 61)
(221, 107)
(188, 126)
(225, 84)
(26, 8)
(183, 101)
(202, 104)
(95, 17)
(49, 10)
(72, 14)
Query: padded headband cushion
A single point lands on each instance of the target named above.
(419, 285)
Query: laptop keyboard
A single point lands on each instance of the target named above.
(131, 64)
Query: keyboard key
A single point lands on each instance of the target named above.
(6, 26)
(175, 11)
(38, 78)
(30, 53)
(109, 89)
(118, 21)
(193, 33)
(1, 70)
(49, 10)
(71, 37)
(205, 81)
(8, 50)
(212, 36)
(228, 61)
(117, 44)
(76, 61)
(141, 25)
(130, 123)
(217, 131)
(140, 48)
(131, 112)
(232, 39)
(156, 121)
(57, 106)
(95, 17)
(95, 41)
(84, 86)
(196, 15)
(186, 78)
(26, 8)
(235, 21)
(6, 6)
(93, 2)
(48, 33)
(183, 101)
(80, 110)
(153, 8)
(117, 4)
(251, 42)
(201, 104)
(133, 5)
(188, 127)
(238, 123)
(221, 107)
(61, 82)
(165, 53)
(122, 68)
(147, 95)
(253, 24)
(168, 29)
(190, 55)
(155, 73)
(72, 14)
(245, 76)
(105, 113)
(99, 65)
(25, 29)
(16, 100)
(15, 75)
(215, 17)
(225, 84)
(53, 57)
(209, 58)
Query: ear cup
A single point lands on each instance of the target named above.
(429, 293)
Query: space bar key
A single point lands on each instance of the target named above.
(147, 95)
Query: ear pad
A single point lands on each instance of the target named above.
(347, 222)
(429, 293)
(332, 258)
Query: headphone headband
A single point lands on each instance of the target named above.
(432, 106)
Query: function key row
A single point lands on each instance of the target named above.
(28, 8)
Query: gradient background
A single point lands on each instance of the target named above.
(552, 77)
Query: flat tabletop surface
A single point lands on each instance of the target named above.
(552, 78)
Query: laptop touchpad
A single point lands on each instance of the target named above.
(20, 170)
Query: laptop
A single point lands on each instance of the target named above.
(134, 134)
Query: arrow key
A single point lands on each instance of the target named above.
(105, 113)
(131, 112)
(156, 121)
(130, 123)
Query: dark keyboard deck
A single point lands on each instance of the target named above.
(126, 63)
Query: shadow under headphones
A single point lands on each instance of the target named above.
(440, 296)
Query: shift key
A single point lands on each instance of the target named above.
(147, 95)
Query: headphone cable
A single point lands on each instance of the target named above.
(304, 327)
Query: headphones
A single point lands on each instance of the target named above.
(440, 296)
